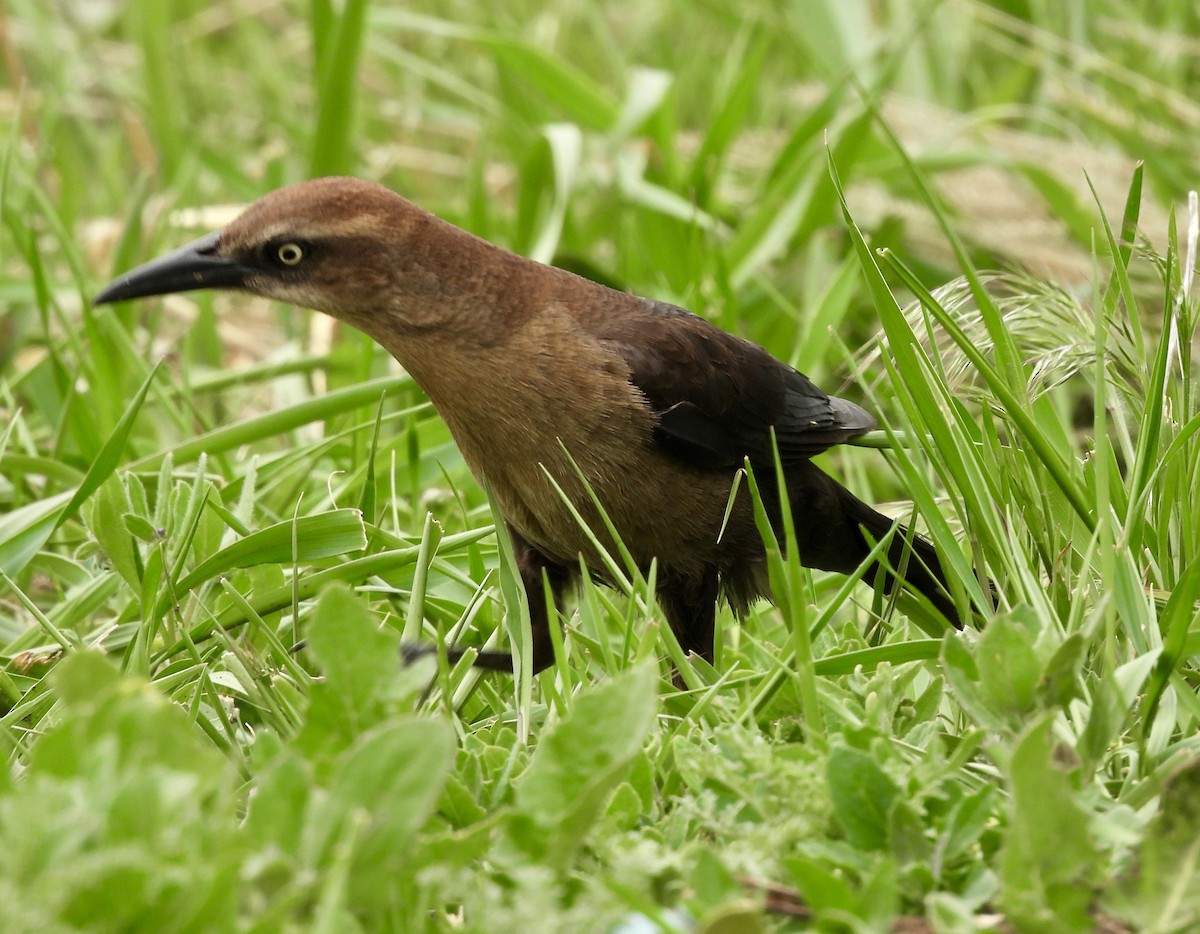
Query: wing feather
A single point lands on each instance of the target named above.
(718, 397)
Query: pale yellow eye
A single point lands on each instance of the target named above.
(290, 254)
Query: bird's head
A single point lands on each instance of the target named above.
(343, 246)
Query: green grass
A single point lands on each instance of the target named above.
(968, 211)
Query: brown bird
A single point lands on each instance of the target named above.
(545, 378)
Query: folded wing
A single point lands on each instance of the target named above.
(718, 397)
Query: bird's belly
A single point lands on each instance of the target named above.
(667, 514)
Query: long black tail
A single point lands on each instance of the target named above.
(830, 523)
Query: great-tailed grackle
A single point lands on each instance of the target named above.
(545, 377)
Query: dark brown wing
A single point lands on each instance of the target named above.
(717, 397)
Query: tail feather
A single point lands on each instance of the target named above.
(907, 552)
(836, 531)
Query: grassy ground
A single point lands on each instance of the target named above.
(189, 486)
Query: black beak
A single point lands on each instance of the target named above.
(195, 266)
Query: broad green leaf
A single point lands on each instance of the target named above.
(1009, 669)
(821, 887)
(963, 677)
(862, 795)
(278, 809)
(1049, 860)
(579, 764)
(357, 659)
(1164, 892)
(389, 781)
(114, 720)
(869, 659)
(304, 539)
(105, 521)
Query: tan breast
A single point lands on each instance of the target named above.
(516, 412)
